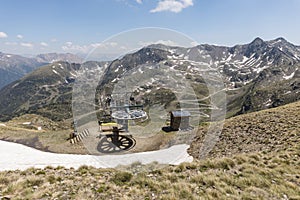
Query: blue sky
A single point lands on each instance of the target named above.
(40, 26)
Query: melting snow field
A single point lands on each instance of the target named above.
(15, 156)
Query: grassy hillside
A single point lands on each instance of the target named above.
(264, 131)
(257, 157)
(244, 176)
(52, 135)
(45, 91)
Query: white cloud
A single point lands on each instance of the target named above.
(44, 44)
(70, 47)
(20, 36)
(3, 35)
(164, 42)
(172, 5)
(29, 45)
(139, 1)
(11, 43)
(123, 48)
(69, 43)
(194, 43)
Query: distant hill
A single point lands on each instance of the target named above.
(55, 57)
(43, 90)
(14, 67)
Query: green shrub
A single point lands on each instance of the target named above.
(41, 172)
(51, 179)
(102, 188)
(34, 182)
(121, 177)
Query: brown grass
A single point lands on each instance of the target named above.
(263, 131)
(257, 157)
(243, 176)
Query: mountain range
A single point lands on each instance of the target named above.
(255, 76)
(14, 67)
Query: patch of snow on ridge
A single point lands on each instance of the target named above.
(60, 65)
(260, 69)
(141, 71)
(73, 74)
(289, 77)
(229, 58)
(244, 59)
(269, 102)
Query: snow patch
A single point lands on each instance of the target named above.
(246, 82)
(16, 156)
(251, 61)
(268, 103)
(228, 58)
(141, 71)
(73, 74)
(115, 80)
(60, 65)
(232, 89)
(172, 51)
(289, 77)
(244, 59)
(54, 71)
(260, 69)
(288, 92)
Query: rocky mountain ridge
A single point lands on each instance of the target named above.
(254, 76)
(258, 75)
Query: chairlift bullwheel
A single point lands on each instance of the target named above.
(112, 143)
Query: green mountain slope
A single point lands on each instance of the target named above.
(46, 91)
